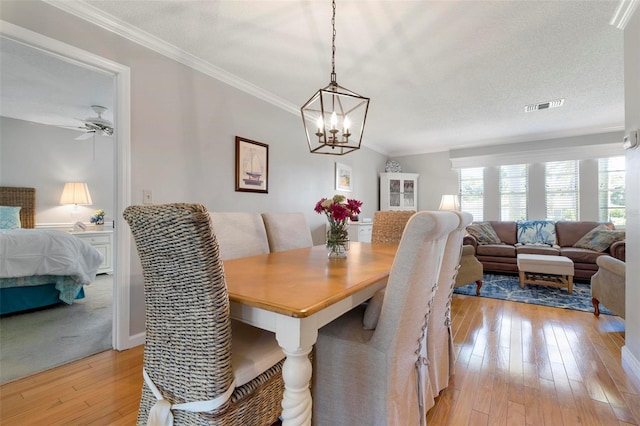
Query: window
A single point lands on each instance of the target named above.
(471, 184)
(561, 190)
(611, 200)
(513, 192)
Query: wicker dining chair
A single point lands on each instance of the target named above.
(193, 352)
(388, 225)
(374, 375)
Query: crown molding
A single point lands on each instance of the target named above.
(623, 12)
(117, 26)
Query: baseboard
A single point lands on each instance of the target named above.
(136, 340)
(630, 363)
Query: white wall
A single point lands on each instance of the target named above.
(631, 350)
(183, 128)
(45, 157)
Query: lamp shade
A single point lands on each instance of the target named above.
(449, 202)
(75, 193)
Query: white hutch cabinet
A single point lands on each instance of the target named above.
(399, 191)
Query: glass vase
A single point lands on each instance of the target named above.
(337, 241)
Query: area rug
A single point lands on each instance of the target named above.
(507, 287)
(34, 341)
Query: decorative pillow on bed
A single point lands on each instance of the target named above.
(600, 238)
(484, 233)
(537, 232)
(9, 217)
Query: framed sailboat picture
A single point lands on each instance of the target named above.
(252, 166)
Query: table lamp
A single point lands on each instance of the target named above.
(449, 202)
(76, 193)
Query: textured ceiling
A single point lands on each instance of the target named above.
(440, 75)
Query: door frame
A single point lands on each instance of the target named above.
(121, 338)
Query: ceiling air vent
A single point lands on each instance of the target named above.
(544, 105)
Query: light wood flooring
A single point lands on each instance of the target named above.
(518, 364)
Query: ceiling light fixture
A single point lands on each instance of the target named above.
(334, 117)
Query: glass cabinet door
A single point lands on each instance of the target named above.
(409, 194)
(394, 192)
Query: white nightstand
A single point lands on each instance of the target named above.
(360, 231)
(103, 242)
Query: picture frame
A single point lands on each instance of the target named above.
(344, 178)
(252, 166)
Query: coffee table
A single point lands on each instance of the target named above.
(548, 270)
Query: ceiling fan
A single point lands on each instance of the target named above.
(95, 125)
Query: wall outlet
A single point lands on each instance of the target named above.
(146, 196)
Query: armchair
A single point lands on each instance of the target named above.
(608, 285)
(470, 270)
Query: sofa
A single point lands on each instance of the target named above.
(561, 238)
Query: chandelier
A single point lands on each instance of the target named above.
(334, 117)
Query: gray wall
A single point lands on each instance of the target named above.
(183, 128)
(45, 157)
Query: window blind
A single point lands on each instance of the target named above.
(562, 190)
(471, 184)
(611, 190)
(513, 192)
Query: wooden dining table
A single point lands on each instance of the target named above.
(293, 294)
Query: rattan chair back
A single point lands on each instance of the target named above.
(389, 225)
(188, 331)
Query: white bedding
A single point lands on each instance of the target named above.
(25, 252)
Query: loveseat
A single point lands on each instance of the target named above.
(580, 241)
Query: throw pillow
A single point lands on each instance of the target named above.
(9, 217)
(599, 238)
(484, 233)
(372, 313)
(537, 232)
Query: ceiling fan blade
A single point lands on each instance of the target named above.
(84, 136)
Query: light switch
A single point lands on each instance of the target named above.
(146, 196)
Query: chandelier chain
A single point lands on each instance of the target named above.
(333, 44)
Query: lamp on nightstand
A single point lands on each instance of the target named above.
(449, 202)
(76, 193)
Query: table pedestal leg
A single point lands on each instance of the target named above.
(296, 337)
(296, 401)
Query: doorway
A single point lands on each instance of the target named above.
(121, 163)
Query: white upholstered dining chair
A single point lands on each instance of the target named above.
(375, 376)
(440, 349)
(200, 367)
(240, 234)
(287, 231)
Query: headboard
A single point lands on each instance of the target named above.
(21, 197)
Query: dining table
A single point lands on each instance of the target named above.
(293, 294)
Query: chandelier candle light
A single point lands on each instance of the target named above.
(334, 117)
(338, 210)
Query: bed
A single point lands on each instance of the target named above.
(40, 267)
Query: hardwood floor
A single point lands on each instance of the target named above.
(517, 364)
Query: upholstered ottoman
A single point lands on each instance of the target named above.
(545, 270)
